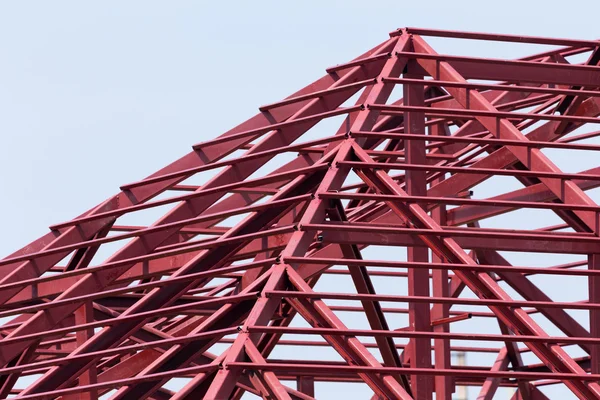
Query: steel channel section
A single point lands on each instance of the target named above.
(209, 291)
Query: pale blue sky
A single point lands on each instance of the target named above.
(97, 94)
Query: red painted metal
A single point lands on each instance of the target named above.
(290, 224)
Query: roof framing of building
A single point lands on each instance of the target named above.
(259, 255)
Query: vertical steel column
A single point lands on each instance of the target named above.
(418, 278)
(301, 218)
(441, 288)
(84, 315)
(594, 297)
(306, 385)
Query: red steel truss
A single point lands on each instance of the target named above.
(338, 237)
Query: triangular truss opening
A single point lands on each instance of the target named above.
(407, 207)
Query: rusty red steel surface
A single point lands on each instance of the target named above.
(339, 236)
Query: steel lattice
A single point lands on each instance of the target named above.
(349, 212)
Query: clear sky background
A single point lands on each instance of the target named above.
(98, 94)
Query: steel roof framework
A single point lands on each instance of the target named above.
(211, 289)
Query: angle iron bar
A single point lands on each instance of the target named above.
(433, 299)
(458, 201)
(219, 164)
(486, 337)
(121, 382)
(439, 141)
(204, 245)
(468, 170)
(155, 228)
(455, 231)
(202, 192)
(146, 257)
(509, 63)
(500, 37)
(556, 270)
(133, 317)
(472, 113)
(279, 125)
(119, 350)
(312, 369)
(146, 285)
(500, 87)
(318, 93)
(358, 62)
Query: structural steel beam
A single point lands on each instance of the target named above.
(388, 214)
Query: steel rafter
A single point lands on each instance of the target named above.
(293, 258)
